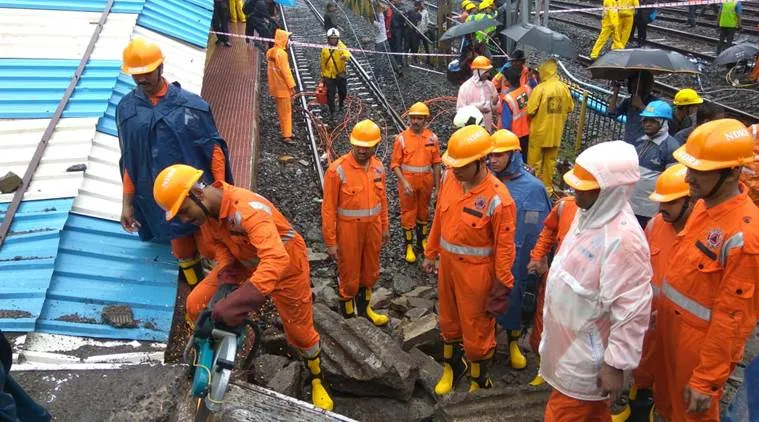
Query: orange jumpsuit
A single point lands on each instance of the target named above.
(750, 175)
(281, 82)
(708, 303)
(251, 231)
(354, 217)
(555, 228)
(415, 155)
(473, 233)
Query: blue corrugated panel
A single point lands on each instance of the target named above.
(119, 6)
(26, 260)
(107, 123)
(99, 265)
(186, 20)
(32, 88)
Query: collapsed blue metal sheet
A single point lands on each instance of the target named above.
(107, 123)
(119, 6)
(26, 260)
(182, 19)
(98, 265)
(32, 88)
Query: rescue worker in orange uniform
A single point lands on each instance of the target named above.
(673, 195)
(281, 82)
(355, 220)
(514, 116)
(416, 163)
(750, 174)
(254, 247)
(154, 133)
(708, 303)
(473, 235)
(555, 228)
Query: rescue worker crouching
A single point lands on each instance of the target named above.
(416, 163)
(532, 205)
(708, 304)
(473, 235)
(333, 66)
(254, 247)
(154, 133)
(355, 220)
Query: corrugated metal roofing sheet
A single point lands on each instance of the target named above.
(119, 6)
(99, 265)
(38, 34)
(100, 192)
(183, 63)
(32, 88)
(70, 145)
(26, 260)
(187, 20)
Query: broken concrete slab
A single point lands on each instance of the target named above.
(424, 292)
(266, 366)
(380, 409)
(289, 380)
(381, 298)
(418, 302)
(361, 359)
(400, 304)
(316, 256)
(523, 403)
(420, 332)
(328, 296)
(403, 284)
(10, 182)
(430, 371)
(416, 313)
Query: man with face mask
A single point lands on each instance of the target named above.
(598, 292)
(254, 247)
(655, 150)
(708, 304)
(416, 163)
(160, 124)
(479, 92)
(533, 205)
(355, 221)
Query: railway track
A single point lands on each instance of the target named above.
(300, 21)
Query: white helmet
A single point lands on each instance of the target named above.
(333, 32)
(467, 115)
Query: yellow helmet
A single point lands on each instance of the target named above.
(580, 179)
(671, 185)
(486, 4)
(141, 56)
(419, 109)
(481, 63)
(470, 6)
(504, 140)
(687, 96)
(366, 133)
(172, 185)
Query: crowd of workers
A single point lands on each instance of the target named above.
(650, 267)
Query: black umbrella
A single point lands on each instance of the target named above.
(541, 38)
(619, 64)
(737, 53)
(468, 28)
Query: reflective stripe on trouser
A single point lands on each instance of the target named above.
(463, 290)
(358, 249)
(562, 408)
(368, 212)
(291, 297)
(416, 169)
(625, 30)
(416, 208)
(285, 114)
(543, 160)
(606, 32)
(465, 249)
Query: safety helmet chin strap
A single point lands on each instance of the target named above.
(683, 209)
(199, 203)
(722, 177)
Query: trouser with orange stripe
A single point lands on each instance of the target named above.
(415, 208)
(562, 408)
(463, 289)
(291, 296)
(285, 114)
(358, 254)
(537, 321)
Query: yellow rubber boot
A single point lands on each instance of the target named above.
(192, 270)
(479, 375)
(319, 395)
(347, 308)
(622, 416)
(454, 366)
(518, 361)
(640, 405)
(422, 229)
(363, 302)
(409, 238)
(538, 380)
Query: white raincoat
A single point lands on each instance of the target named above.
(598, 295)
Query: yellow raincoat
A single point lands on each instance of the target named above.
(626, 17)
(281, 82)
(332, 62)
(609, 28)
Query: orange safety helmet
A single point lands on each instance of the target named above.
(141, 56)
(172, 186)
(468, 144)
(715, 145)
(671, 185)
(366, 133)
(481, 63)
(580, 179)
(419, 109)
(504, 140)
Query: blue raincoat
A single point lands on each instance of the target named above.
(533, 206)
(179, 130)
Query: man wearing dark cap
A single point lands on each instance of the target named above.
(517, 61)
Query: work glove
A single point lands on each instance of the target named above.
(233, 309)
(498, 299)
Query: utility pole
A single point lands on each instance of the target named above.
(443, 24)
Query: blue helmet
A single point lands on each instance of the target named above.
(658, 110)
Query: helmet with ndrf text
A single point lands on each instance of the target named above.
(718, 144)
(467, 145)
